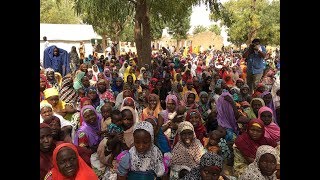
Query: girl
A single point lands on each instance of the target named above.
(187, 152)
(144, 159)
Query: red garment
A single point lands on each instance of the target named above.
(151, 87)
(247, 146)
(45, 163)
(84, 172)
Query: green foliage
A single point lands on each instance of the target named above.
(243, 17)
(127, 34)
(53, 13)
(215, 28)
(108, 17)
(199, 29)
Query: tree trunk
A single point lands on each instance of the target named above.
(142, 32)
(104, 37)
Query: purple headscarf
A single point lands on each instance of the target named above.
(89, 130)
(164, 113)
(225, 115)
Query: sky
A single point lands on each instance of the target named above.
(200, 16)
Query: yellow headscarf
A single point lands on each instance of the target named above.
(50, 92)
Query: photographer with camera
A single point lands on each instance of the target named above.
(254, 55)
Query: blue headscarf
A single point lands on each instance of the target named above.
(60, 63)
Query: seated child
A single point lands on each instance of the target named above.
(144, 160)
(113, 129)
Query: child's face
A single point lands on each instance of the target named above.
(142, 141)
(266, 117)
(214, 139)
(106, 111)
(191, 98)
(194, 119)
(81, 93)
(204, 99)
(187, 137)
(117, 120)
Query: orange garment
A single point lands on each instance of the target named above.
(84, 172)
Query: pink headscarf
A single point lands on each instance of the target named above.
(272, 130)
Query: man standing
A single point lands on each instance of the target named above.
(254, 55)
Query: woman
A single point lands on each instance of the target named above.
(154, 107)
(247, 143)
(87, 135)
(244, 93)
(272, 130)
(130, 71)
(227, 115)
(67, 92)
(203, 105)
(43, 85)
(210, 168)
(265, 165)
(255, 105)
(187, 152)
(77, 81)
(52, 81)
(189, 100)
(104, 91)
(117, 87)
(57, 59)
(166, 116)
(60, 107)
(68, 164)
(95, 72)
(46, 112)
(74, 59)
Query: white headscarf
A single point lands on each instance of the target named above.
(152, 159)
(253, 171)
(63, 121)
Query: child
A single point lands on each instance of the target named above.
(113, 129)
(144, 160)
(212, 143)
(173, 124)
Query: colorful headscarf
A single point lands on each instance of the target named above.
(67, 93)
(225, 115)
(49, 92)
(84, 172)
(165, 113)
(247, 146)
(272, 130)
(88, 129)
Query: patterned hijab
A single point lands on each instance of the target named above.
(152, 159)
(68, 94)
(207, 159)
(188, 156)
(253, 171)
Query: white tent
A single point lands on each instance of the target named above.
(67, 35)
